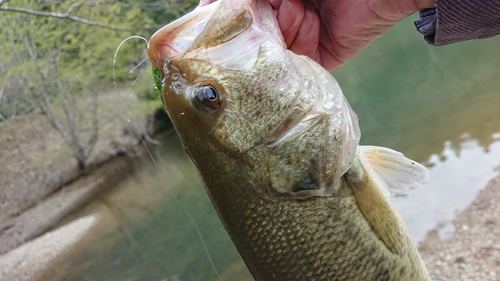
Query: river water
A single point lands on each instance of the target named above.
(439, 106)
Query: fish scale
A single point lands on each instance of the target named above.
(269, 230)
(277, 151)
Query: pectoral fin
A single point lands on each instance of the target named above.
(396, 173)
(377, 210)
(375, 172)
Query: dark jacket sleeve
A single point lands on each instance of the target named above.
(454, 21)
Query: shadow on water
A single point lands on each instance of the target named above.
(439, 106)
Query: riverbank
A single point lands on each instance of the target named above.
(46, 238)
(471, 248)
(36, 163)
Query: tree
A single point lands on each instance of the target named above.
(59, 54)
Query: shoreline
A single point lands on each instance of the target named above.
(472, 251)
(34, 220)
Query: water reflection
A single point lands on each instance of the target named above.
(439, 106)
(458, 173)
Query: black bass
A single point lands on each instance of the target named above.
(276, 145)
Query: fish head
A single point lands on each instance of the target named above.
(245, 106)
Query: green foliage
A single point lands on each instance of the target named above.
(158, 83)
(148, 94)
(58, 55)
(59, 65)
(163, 12)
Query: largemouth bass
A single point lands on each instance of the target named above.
(275, 143)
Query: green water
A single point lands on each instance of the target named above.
(145, 233)
(413, 97)
(439, 106)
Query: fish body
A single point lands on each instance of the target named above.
(275, 143)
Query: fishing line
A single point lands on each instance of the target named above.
(151, 155)
(135, 67)
(142, 71)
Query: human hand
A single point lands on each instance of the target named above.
(334, 31)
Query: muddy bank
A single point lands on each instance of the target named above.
(38, 171)
(35, 159)
(24, 263)
(469, 247)
(35, 220)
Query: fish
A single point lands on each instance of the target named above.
(276, 145)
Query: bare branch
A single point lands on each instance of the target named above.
(68, 15)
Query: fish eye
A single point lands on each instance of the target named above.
(208, 96)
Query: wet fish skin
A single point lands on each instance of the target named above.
(273, 155)
(321, 238)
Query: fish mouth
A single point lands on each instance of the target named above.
(293, 126)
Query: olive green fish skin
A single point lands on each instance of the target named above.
(321, 238)
(279, 237)
(269, 158)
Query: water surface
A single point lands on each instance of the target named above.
(439, 106)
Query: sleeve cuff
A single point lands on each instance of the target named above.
(426, 25)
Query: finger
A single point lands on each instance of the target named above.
(341, 47)
(330, 51)
(290, 15)
(307, 39)
(328, 61)
(334, 57)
